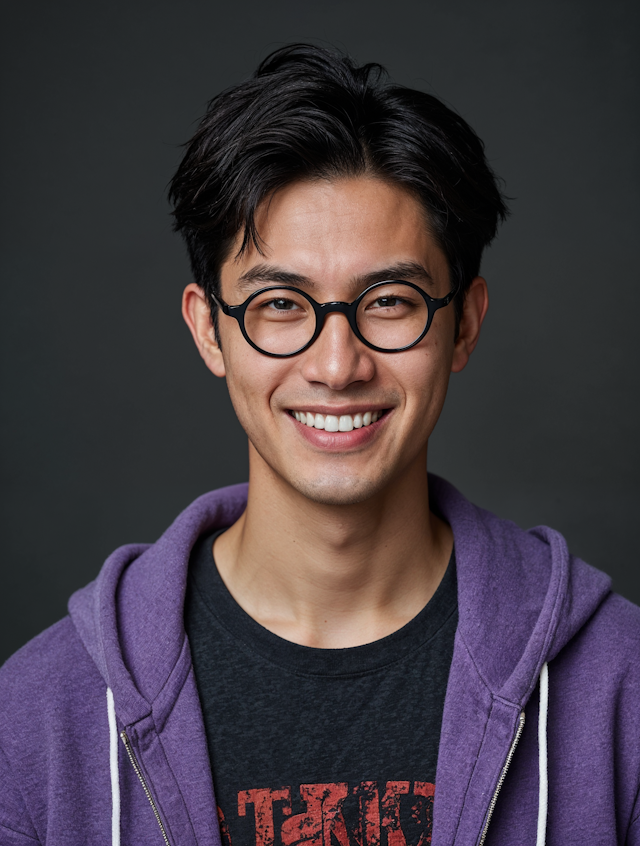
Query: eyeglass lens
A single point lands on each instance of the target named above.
(390, 316)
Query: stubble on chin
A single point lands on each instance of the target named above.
(336, 490)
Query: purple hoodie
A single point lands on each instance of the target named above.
(102, 738)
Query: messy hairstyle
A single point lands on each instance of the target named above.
(311, 113)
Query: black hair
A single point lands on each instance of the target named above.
(310, 113)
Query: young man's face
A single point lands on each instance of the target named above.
(334, 235)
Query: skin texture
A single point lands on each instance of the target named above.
(337, 546)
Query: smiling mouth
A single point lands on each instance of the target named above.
(333, 423)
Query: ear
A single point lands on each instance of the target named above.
(197, 316)
(476, 303)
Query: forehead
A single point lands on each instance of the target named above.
(333, 231)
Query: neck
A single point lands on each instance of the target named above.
(334, 576)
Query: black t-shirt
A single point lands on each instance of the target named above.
(321, 747)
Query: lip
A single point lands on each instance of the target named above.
(341, 441)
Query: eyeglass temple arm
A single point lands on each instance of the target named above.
(224, 306)
(443, 301)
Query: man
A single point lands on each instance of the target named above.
(348, 652)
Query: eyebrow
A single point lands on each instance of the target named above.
(267, 274)
(408, 271)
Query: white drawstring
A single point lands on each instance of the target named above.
(113, 768)
(543, 778)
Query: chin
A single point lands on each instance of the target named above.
(337, 490)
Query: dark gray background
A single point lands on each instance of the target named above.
(110, 422)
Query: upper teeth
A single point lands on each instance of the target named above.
(332, 423)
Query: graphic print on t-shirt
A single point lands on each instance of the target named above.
(392, 813)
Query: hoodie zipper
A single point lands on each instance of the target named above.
(136, 767)
(483, 836)
(503, 775)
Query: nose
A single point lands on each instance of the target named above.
(337, 359)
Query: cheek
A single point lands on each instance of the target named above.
(432, 363)
(252, 379)
(426, 377)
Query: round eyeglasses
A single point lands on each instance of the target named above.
(389, 316)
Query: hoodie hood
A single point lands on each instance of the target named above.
(521, 597)
(130, 618)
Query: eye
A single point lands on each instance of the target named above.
(281, 304)
(388, 302)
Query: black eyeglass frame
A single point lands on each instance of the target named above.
(323, 309)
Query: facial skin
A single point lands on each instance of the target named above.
(337, 546)
(334, 234)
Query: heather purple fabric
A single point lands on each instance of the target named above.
(523, 600)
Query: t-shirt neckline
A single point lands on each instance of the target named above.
(308, 660)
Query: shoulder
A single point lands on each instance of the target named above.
(614, 636)
(614, 630)
(47, 689)
(602, 659)
(55, 651)
(43, 685)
